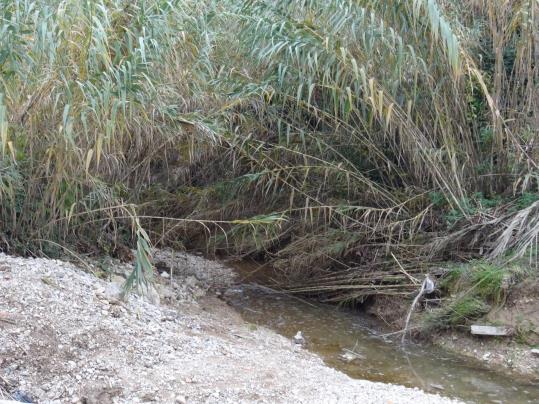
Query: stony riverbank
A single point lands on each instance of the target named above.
(67, 338)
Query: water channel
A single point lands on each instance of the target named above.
(330, 331)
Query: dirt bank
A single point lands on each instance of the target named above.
(512, 355)
(64, 337)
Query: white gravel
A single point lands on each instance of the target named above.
(64, 338)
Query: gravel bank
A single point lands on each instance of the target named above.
(64, 337)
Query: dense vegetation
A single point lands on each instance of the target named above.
(352, 142)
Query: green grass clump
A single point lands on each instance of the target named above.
(480, 278)
(488, 281)
(455, 312)
(465, 309)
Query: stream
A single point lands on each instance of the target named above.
(330, 330)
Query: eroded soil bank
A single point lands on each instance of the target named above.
(513, 355)
(66, 337)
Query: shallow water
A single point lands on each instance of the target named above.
(329, 330)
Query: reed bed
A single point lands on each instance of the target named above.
(343, 140)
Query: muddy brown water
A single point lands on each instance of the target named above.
(330, 330)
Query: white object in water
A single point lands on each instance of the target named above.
(299, 339)
(350, 356)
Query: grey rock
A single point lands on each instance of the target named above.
(489, 330)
